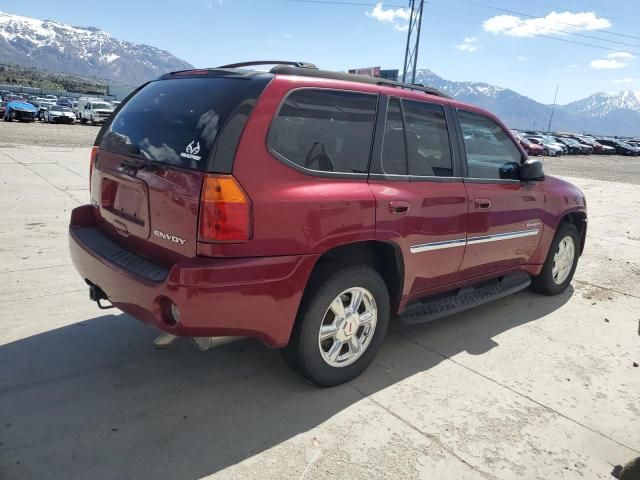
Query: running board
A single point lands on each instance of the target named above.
(465, 298)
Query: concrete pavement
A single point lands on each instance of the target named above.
(527, 387)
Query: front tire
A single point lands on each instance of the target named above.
(560, 265)
(340, 326)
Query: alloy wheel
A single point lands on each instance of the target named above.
(563, 260)
(347, 327)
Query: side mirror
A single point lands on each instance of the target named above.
(510, 171)
(531, 170)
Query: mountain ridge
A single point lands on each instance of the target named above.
(79, 50)
(600, 113)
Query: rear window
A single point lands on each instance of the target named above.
(325, 130)
(180, 121)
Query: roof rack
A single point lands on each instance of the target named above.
(270, 62)
(286, 69)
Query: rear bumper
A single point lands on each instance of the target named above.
(254, 296)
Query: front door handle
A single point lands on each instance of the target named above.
(398, 207)
(483, 203)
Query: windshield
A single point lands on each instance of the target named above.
(102, 105)
(178, 121)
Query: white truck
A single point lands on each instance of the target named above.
(93, 110)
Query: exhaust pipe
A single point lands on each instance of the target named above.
(207, 343)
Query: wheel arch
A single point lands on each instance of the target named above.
(385, 257)
(579, 220)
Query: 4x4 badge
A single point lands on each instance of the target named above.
(191, 152)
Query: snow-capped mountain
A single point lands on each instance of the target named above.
(601, 113)
(84, 51)
(601, 104)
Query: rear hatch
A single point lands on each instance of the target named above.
(154, 153)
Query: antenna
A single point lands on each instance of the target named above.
(411, 51)
(553, 109)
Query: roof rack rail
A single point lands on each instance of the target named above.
(270, 62)
(350, 77)
(414, 86)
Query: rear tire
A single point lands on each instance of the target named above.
(561, 262)
(349, 340)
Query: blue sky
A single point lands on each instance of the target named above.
(461, 39)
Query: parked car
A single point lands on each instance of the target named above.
(65, 102)
(19, 110)
(598, 148)
(548, 148)
(531, 148)
(43, 108)
(308, 208)
(587, 149)
(59, 114)
(622, 148)
(573, 146)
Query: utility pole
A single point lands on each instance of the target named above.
(534, 126)
(413, 40)
(555, 97)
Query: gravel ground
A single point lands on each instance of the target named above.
(613, 168)
(44, 134)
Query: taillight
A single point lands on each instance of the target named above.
(225, 210)
(92, 163)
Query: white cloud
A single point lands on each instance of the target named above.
(553, 23)
(619, 55)
(468, 45)
(389, 15)
(287, 35)
(521, 58)
(603, 64)
(624, 80)
(401, 27)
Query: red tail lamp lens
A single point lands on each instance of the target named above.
(92, 163)
(224, 210)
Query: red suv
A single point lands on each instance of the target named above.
(307, 208)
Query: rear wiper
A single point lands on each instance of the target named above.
(141, 164)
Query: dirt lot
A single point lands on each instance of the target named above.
(527, 387)
(40, 133)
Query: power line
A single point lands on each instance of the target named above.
(564, 40)
(528, 15)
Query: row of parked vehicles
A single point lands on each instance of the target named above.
(53, 109)
(557, 143)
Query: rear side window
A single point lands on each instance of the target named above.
(181, 121)
(394, 153)
(427, 140)
(325, 130)
(487, 145)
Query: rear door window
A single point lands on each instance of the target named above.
(487, 145)
(325, 130)
(179, 121)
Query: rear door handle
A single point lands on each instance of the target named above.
(398, 207)
(483, 203)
